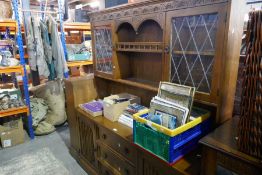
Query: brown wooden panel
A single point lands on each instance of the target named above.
(149, 31)
(87, 145)
(119, 163)
(140, 66)
(119, 145)
(126, 33)
(105, 170)
(77, 90)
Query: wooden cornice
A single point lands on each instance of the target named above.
(147, 7)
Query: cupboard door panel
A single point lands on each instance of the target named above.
(103, 49)
(192, 50)
(195, 49)
(103, 52)
(87, 144)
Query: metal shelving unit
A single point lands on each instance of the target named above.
(61, 17)
(18, 69)
(15, 27)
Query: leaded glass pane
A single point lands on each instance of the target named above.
(103, 48)
(193, 50)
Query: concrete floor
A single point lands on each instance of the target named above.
(57, 142)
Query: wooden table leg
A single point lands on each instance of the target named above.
(209, 161)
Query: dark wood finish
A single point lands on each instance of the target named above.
(106, 169)
(116, 153)
(137, 68)
(220, 148)
(138, 65)
(116, 162)
(120, 146)
(151, 165)
(141, 61)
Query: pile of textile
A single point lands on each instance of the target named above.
(45, 49)
(48, 107)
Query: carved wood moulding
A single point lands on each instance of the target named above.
(136, 21)
(147, 8)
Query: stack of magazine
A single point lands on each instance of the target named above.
(172, 105)
(94, 108)
(126, 117)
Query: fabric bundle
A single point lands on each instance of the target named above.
(250, 124)
(45, 49)
(48, 106)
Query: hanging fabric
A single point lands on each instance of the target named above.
(57, 49)
(35, 48)
(47, 49)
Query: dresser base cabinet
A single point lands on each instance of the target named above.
(106, 148)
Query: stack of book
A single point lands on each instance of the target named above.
(126, 117)
(94, 108)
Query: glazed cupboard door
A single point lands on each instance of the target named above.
(194, 37)
(103, 39)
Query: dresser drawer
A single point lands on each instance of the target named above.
(115, 161)
(118, 144)
(104, 170)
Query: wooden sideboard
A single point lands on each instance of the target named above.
(135, 46)
(189, 42)
(106, 148)
(220, 148)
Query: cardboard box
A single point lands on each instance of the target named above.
(113, 111)
(12, 133)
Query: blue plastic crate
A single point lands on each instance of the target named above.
(166, 147)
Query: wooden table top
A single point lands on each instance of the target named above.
(224, 139)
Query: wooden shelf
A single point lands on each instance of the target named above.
(14, 111)
(12, 69)
(77, 26)
(144, 84)
(206, 53)
(79, 63)
(8, 23)
(156, 47)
